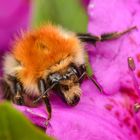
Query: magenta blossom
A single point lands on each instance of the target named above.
(99, 116)
(14, 16)
(110, 59)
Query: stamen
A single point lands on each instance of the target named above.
(131, 65)
(137, 107)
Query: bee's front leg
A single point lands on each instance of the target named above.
(48, 106)
(42, 89)
(94, 80)
(17, 92)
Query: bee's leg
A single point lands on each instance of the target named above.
(115, 35)
(18, 90)
(48, 106)
(94, 80)
(87, 37)
(42, 89)
(137, 107)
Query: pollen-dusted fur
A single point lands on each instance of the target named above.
(41, 52)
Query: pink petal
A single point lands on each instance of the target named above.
(109, 59)
(95, 117)
(14, 16)
(137, 117)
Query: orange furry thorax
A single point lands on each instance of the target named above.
(47, 48)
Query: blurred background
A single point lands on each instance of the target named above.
(17, 15)
(68, 13)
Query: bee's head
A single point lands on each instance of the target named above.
(70, 91)
(68, 84)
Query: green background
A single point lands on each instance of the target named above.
(68, 13)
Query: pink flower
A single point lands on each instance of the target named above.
(14, 16)
(98, 116)
(110, 58)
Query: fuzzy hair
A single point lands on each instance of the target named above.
(43, 51)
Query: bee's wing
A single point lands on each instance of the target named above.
(5, 91)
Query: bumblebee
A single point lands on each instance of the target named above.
(45, 59)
